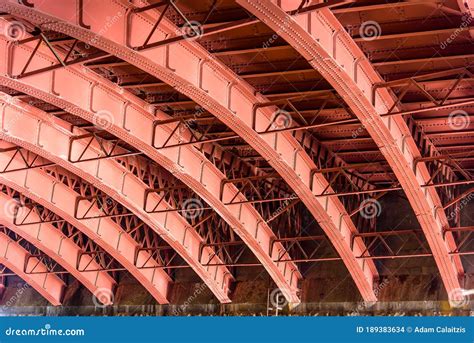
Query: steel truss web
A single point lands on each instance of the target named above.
(236, 99)
(131, 140)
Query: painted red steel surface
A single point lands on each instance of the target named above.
(57, 197)
(13, 256)
(133, 124)
(319, 37)
(191, 70)
(120, 184)
(227, 93)
(362, 272)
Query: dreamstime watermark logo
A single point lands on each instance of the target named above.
(12, 118)
(461, 204)
(189, 123)
(360, 129)
(281, 119)
(190, 299)
(11, 208)
(370, 30)
(104, 203)
(380, 287)
(192, 30)
(15, 297)
(357, 132)
(459, 297)
(13, 30)
(466, 21)
(284, 205)
(47, 330)
(369, 304)
(269, 42)
(103, 297)
(459, 120)
(278, 299)
(370, 208)
(192, 208)
(103, 119)
(110, 21)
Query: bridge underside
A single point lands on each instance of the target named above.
(211, 157)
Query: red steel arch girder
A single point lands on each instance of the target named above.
(224, 90)
(321, 39)
(60, 199)
(13, 256)
(186, 163)
(60, 248)
(113, 179)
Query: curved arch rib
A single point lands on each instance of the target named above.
(60, 248)
(231, 100)
(14, 256)
(133, 124)
(467, 6)
(321, 39)
(60, 199)
(116, 181)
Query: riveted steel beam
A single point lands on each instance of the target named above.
(467, 6)
(224, 100)
(322, 40)
(133, 124)
(13, 256)
(60, 248)
(401, 4)
(111, 177)
(47, 191)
